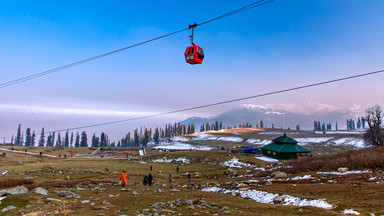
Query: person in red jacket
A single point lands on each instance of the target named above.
(123, 178)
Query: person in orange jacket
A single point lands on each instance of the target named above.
(123, 178)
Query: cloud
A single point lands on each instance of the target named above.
(70, 111)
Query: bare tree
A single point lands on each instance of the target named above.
(374, 134)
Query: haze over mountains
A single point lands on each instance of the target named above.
(283, 115)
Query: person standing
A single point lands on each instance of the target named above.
(123, 178)
(145, 181)
(150, 179)
(177, 169)
(150, 167)
(170, 178)
(189, 177)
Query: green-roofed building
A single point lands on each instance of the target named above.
(285, 148)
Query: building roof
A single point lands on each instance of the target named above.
(284, 140)
(285, 148)
(285, 144)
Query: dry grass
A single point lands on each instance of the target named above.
(369, 158)
(13, 182)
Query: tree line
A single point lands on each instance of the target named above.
(361, 124)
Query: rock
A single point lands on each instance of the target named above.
(342, 169)
(49, 200)
(40, 190)
(69, 194)
(278, 199)
(224, 208)
(105, 203)
(243, 189)
(174, 190)
(3, 192)
(81, 189)
(268, 183)
(85, 201)
(279, 175)
(17, 190)
(189, 202)
(20, 163)
(190, 207)
(134, 193)
(159, 190)
(8, 208)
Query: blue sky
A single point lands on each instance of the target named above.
(279, 45)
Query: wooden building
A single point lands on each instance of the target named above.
(285, 148)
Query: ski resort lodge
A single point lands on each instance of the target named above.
(285, 148)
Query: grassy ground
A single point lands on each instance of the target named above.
(354, 191)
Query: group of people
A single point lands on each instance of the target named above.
(148, 179)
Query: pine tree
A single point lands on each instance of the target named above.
(66, 140)
(273, 126)
(77, 141)
(53, 138)
(33, 139)
(83, 142)
(298, 127)
(146, 138)
(103, 140)
(261, 124)
(156, 136)
(58, 141)
(336, 127)
(71, 139)
(207, 127)
(18, 136)
(49, 138)
(12, 140)
(136, 138)
(42, 138)
(28, 137)
(192, 128)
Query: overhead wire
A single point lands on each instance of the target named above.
(222, 102)
(33, 76)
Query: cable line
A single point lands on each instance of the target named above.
(222, 102)
(23, 79)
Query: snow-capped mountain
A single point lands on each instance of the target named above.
(281, 115)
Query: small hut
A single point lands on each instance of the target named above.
(285, 148)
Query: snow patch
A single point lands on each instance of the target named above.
(267, 159)
(350, 211)
(266, 197)
(357, 142)
(181, 146)
(258, 141)
(309, 140)
(235, 163)
(345, 173)
(231, 139)
(170, 160)
(301, 177)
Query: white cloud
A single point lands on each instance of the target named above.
(73, 111)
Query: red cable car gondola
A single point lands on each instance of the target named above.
(193, 54)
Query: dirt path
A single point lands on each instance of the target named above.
(30, 153)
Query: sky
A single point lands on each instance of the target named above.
(280, 45)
